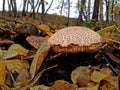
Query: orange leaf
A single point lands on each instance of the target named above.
(3, 72)
(39, 58)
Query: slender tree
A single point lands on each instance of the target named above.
(68, 17)
(3, 10)
(111, 12)
(101, 13)
(33, 8)
(80, 6)
(88, 10)
(24, 7)
(96, 9)
(9, 7)
(62, 4)
(107, 10)
(43, 14)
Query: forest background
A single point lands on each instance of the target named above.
(95, 14)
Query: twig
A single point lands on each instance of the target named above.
(113, 69)
(53, 57)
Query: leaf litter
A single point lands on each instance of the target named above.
(24, 68)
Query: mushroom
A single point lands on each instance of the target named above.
(75, 39)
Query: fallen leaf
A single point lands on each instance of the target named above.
(43, 27)
(97, 76)
(39, 58)
(106, 71)
(39, 87)
(105, 84)
(83, 72)
(89, 88)
(63, 85)
(3, 72)
(6, 42)
(14, 51)
(24, 74)
(115, 82)
(16, 65)
(49, 33)
(35, 41)
(16, 47)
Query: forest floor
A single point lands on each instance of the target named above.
(27, 62)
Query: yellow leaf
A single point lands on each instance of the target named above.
(3, 72)
(97, 76)
(15, 50)
(115, 82)
(49, 33)
(18, 25)
(16, 65)
(43, 27)
(16, 47)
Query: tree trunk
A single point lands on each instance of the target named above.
(101, 13)
(33, 8)
(112, 6)
(96, 9)
(3, 10)
(61, 7)
(24, 7)
(88, 17)
(9, 8)
(38, 6)
(68, 18)
(48, 7)
(15, 8)
(80, 9)
(107, 10)
(43, 12)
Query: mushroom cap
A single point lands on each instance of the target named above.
(75, 39)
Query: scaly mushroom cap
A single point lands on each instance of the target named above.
(75, 39)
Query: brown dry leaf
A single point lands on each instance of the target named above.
(63, 85)
(43, 27)
(6, 42)
(14, 51)
(82, 72)
(89, 88)
(3, 72)
(39, 58)
(35, 41)
(16, 65)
